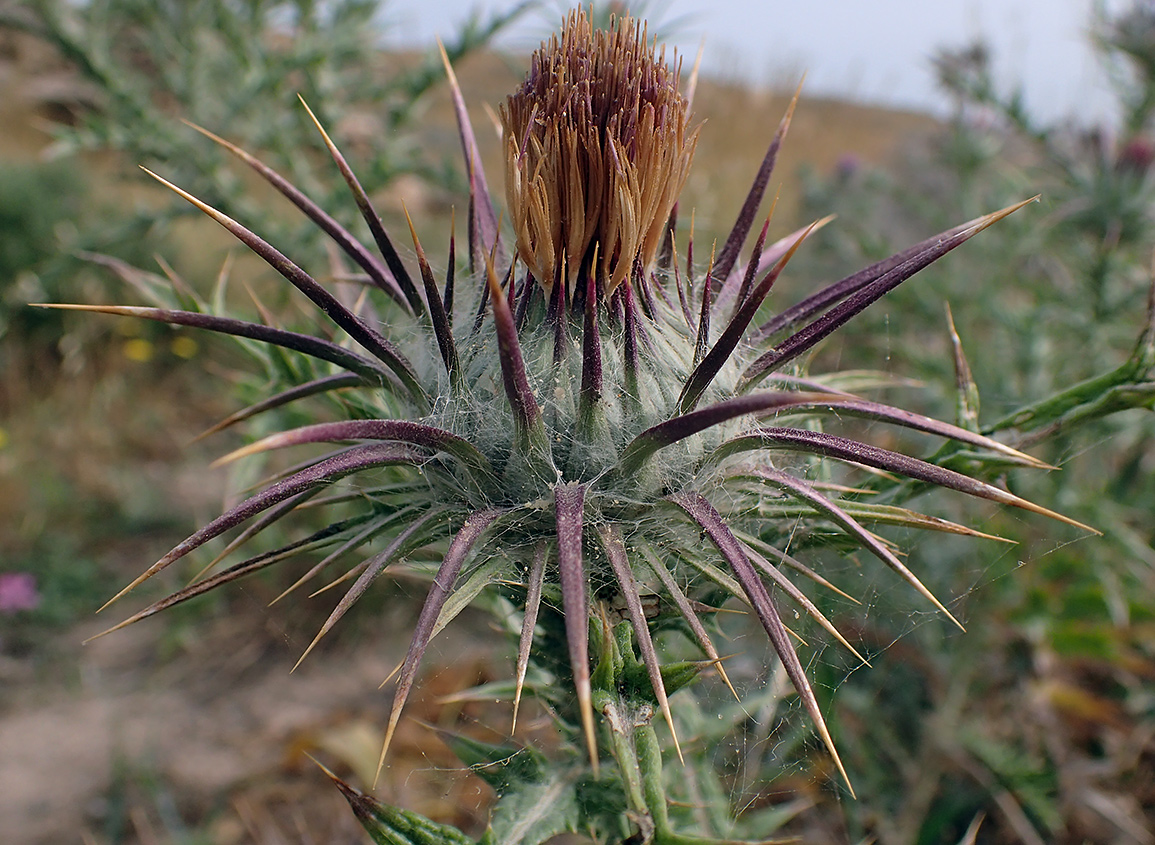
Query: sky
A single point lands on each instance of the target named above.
(873, 51)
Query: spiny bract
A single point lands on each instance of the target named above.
(571, 429)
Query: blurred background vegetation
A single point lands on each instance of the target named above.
(1036, 726)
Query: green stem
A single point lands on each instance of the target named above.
(621, 738)
(649, 757)
(1088, 397)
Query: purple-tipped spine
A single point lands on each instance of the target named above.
(569, 506)
(728, 257)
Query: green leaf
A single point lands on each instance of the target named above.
(504, 766)
(675, 675)
(393, 826)
(533, 812)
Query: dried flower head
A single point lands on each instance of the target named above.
(598, 146)
(588, 432)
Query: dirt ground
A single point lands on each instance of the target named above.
(216, 741)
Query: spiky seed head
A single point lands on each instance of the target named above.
(597, 148)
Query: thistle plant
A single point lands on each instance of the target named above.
(595, 426)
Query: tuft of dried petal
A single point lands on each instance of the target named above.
(598, 146)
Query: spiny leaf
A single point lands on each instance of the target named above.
(966, 391)
(393, 493)
(371, 218)
(369, 338)
(450, 264)
(377, 272)
(908, 419)
(728, 257)
(840, 314)
(526, 413)
(708, 569)
(687, 611)
(271, 516)
(591, 386)
(442, 328)
(316, 540)
(714, 360)
(305, 344)
(630, 341)
(835, 291)
(702, 339)
(528, 623)
(616, 552)
(788, 560)
(854, 451)
(769, 256)
(443, 583)
(375, 527)
(868, 512)
(893, 515)
(393, 826)
(683, 300)
(639, 450)
(569, 504)
(324, 472)
(401, 431)
(415, 533)
(703, 513)
(309, 388)
(483, 229)
(284, 473)
(748, 273)
(787, 586)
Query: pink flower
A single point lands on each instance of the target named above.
(1136, 156)
(18, 592)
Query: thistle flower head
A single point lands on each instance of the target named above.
(592, 429)
(598, 145)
